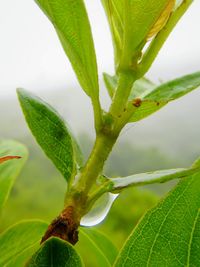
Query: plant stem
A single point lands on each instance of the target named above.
(105, 140)
(97, 114)
(106, 137)
(125, 83)
(108, 128)
(102, 148)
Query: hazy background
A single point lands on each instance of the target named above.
(31, 57)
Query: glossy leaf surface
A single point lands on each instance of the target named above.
(50, 131)
(168, 235)
(55, 253)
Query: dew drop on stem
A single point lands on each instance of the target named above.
(100, 210)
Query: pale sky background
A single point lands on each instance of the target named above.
(31, 56)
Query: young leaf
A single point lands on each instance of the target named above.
(156, 44)
(55, 253)
(114, 11)
(168, 235)
(153, 177)
(159, 96)
(102, 251)
(72, 25)
(50, 132)
(19, 239)
(174, 89)
(162, 20)
(141, 87)
(138, 24)
(131, 25)
(10, 169)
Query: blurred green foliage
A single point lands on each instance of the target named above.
(39, 191)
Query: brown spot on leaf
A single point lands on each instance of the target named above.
(137, 102)
(6, 158)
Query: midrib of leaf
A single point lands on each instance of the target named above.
(165, 218)
(52, 265)
(118, 15)
(191, 238)
(94, 244)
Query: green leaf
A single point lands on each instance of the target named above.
(72, 25)
(50, 132)
(174, 89)
(153, 177)
(139, 19)
(114, 11)
(102, 251)
(141, 87)
(146, 109)
(159, 96)
(55, 253)
(18, 240)
(168, 235)
(9, 170)
(23, 257)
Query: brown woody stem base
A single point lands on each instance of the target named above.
(64, 227)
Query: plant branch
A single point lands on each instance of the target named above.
(116, 185)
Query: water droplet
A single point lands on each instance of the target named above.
(100, 210)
